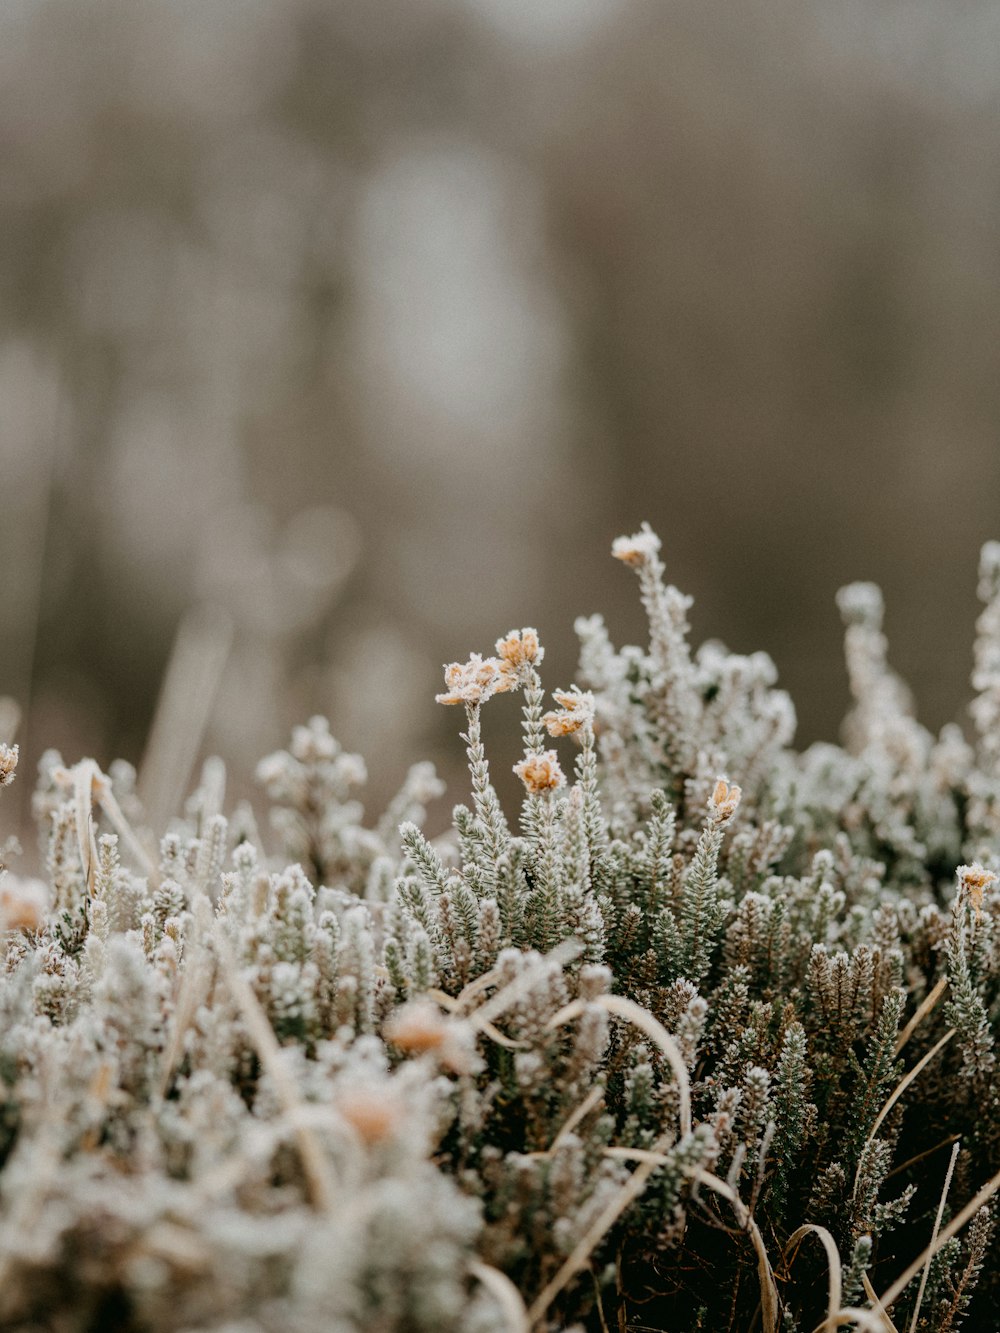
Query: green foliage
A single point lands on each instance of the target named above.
(588, 1067)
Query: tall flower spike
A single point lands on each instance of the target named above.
(637, 549)
(674, 701)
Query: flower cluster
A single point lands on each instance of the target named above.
(478, 679)
(540, 772)
(474, 681)
(519, 649)
(724, 801)
(575, 711)
(973, 883)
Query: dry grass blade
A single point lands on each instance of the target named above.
(194, 988)
(510, 994)
(651, 1157)
(10, 719)
(501, 1039)
(593, 1098)
(85, 774)
(506, 1294)
(952, 1229)
(895, 1095)
(638, 1155)
(475, 986)
(928, 1152)
(90, 784)
(835, 1282)
(934, 1233)
(865, 1321)
(191, 682)
(654, 1030)
(453, 1004)
(123, 828)
(314, 1162)
(769, 1303)
(884, 1323)
(598, 1229)
(213, 789)
(926, 1005)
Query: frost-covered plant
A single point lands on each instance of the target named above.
(606, 1061)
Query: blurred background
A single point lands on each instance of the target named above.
(338, 338)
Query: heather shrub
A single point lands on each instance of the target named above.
(701, 1037)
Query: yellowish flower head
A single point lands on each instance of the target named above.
(519, 647)
(540, 772)
(724, 801)
(973, 881)
(371, 1113)
(472, 682)
(576, 710)
(23, 903)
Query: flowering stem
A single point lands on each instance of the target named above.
(496, 835)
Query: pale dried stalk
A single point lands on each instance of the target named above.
(85, 774)
(505, 1293)
(954, 1226)
(937, 1227)
(212, 787)
(654, 1030)
(926, 1005)
(125, 831)
(885, 1324)
(318, 1175)
(190, 684)
(865, 1321)
(835, 1285)
(88, 783)
(477, 984)
(194, 988)
(928, 1152)
(598, 1229)
(510, 994)
(769, 1302)
(453, 1005)
(592, 1099)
